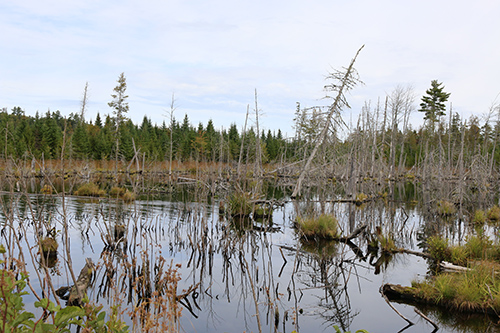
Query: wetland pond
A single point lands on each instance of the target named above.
(235, 274)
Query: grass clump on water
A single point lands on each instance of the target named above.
(323, 226)
(240, 204)
(122, 193)
(494, 214)
(90, 190)
(476, 290)
(445, 208)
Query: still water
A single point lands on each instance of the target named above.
(236, 275)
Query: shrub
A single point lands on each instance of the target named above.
(128, 196)
(117, 192)
(323, 226)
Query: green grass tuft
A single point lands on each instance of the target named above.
(323, 226)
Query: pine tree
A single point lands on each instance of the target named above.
(433, 103)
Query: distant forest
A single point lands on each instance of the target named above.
(45, 136)
(382, 138)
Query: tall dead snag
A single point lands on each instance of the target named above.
(344, 80)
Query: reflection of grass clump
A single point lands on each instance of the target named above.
(445, 208)
(494, 214)
(322, 247)
(323, 226)
(122, 193)
(90, 190)
(262, 211)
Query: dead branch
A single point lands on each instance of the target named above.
(427, 318)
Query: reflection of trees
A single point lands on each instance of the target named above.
(324, 267)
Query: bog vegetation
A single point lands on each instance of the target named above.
(452, 163)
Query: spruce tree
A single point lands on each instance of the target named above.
(120, 106)
(433, 103)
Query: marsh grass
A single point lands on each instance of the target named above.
(90, 190)
(122, 193)
(479, 217)
(239, 204)
(494, 214)
(477, 290)
(445, 208)
(438, 248)
(477, 247)
(48, 246)
(323, 226)
(360, 199)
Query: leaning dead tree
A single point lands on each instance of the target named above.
(344, 80)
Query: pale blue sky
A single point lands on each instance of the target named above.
(214, 54)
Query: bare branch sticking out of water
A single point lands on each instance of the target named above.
(395, 310)
(427, 318)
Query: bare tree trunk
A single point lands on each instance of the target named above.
(346, 83)
(242, 142)
(258, 158)
(172, 109)
(84, 103)
(450, 165)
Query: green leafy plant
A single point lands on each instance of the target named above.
(14, 318)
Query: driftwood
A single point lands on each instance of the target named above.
(77, 291)
(354, 234)
(449, 267)
(416, 253)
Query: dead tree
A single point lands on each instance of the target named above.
(344, 81)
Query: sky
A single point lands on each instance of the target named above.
(212, 56)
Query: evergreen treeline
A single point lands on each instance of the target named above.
(383, 141)
(43, 136)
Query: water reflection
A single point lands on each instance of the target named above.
(183, 264)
